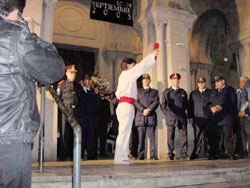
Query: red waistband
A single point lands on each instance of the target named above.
(127, 100)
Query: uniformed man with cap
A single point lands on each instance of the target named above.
(224, 108)
(146, 118)
(199, 115)
(174, 104)
(70, 92)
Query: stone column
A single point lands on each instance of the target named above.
(160, 21)
(161, 60)
(244, 56)
(179, 22)
(110, 59)
(48, 19)
(51, 109)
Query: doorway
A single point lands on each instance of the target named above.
(83, 58)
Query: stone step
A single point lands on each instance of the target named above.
(145, 174)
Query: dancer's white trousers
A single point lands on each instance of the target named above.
(125, 115)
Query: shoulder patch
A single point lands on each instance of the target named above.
(61, 82)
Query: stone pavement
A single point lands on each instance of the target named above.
(146, 174)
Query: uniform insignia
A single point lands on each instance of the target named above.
(61, 82)
(73, 92)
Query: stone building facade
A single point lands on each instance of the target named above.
(197, 37)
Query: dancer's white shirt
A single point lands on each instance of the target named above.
(127, 80)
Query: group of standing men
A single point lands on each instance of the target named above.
(89, 109)
(213, 114)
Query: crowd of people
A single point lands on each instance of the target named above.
(90, 109)
(219, 118)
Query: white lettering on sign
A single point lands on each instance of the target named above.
(120, 7)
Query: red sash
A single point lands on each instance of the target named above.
(127, 100)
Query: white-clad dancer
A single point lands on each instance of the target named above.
(127, 94)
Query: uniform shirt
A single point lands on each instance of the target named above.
(174, 103)
(127, 80)
(199, 105)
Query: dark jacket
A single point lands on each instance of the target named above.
(199, 106)
(89, 109)
(24, 59)
(146, 99)
(174, 104)
(227, 98)
(104, 112)
(71, 94)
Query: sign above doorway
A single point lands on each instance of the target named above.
(113, 11)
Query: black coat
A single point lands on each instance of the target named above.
(25, 59)
(104, 112)
(228, 100)
(147, 99)
(199, 106)
(89, 111)
(174, 104)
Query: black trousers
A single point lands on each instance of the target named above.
(182, 140)
(133, 141)
(15, 166)
(89, 139)
(226, 145)
(237, 130)
(66, 140)
(213, 137)
(200, 134)
(142, 132)
(102, 135)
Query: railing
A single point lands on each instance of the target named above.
(77, 136)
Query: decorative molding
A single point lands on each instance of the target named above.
(176, 5)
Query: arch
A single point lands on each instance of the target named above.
(209, 45)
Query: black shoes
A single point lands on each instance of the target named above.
(193, 157)
(171, 158)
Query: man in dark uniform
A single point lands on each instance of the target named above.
(200, 116)
(224, 109)
(89, 118)
(70, 92)
(174, 104)
(146, 119)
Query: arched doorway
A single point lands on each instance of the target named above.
(210, 53)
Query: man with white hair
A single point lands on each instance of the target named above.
(244, 113)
